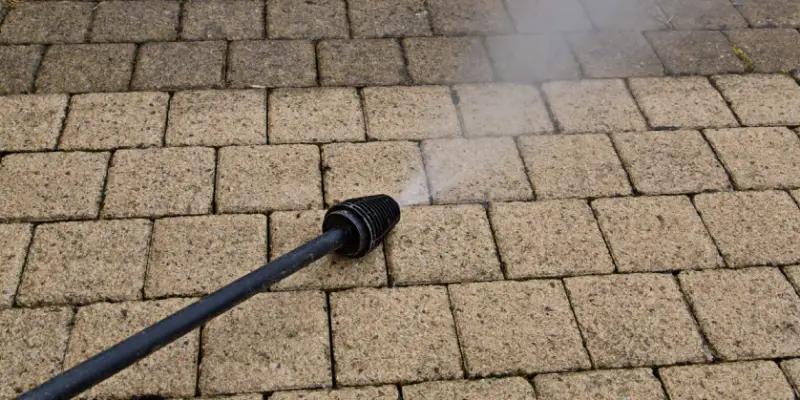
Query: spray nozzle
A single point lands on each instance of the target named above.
(368, 218)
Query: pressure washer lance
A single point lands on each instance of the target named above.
(352, 228)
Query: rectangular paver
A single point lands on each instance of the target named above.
(115, 120)
(549, 238)
(180, 65)
(761, 99)
(615, 54)
(319, 19)
(532, 58)
(410, 113)
(315, 115)
(734, 381)
(702, 14)
(31, 122)
(220, 19)
(46, 22)
(513, 388)
(136, 21)
(695, 52)
(388, 18)
(272, 63)
(502, 109)
(85, 262)
(626, 15)
(81, 68)
(360, 62)
(771, 50)
(745, 313)
(771, 13)
(387, 392)
(593, 106)
(632, 320)
(19, 64)
(686, 102)
(548, 16)
(14, 241)
(636, 383)
(447, 60)
(51, 186)
(469, 17)
(217, 118)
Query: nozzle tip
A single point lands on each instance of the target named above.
(369, 219)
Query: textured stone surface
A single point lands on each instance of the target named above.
(49, 186)
(318, 19)
(271, 63)
(752, 228)
(549, 238)
(315, 115)
(362, 393)
(469, 17)
(514, 388)
(745, 313)
(81, 68)
(31, 122)
(600, 385)
(46, 22)
(655, 234)
(772, 50)
(615, 54)
(32, 346)
(290, 229)
(266, 178)
(290, 331)
(217, 118)
(223, 19)
(447, 60)
(635, 320)
(593, 106)
(516, 327)
(19, 64)
(115, 120)
(360, 62)
(626, 15)
(159, 182)
(193, 256)
(502, 109)
(411, 113)
(761, 99)
(169, 372)
(792, 370)
(391, 335)
(471, 170)
(734, 381)
(391, 168)
(565, 166)
(548, 16)
(388, 18)
(180, 65)
(685, 102)
(14, 241)
(85, 262)
(771, 13)
(695, 52)
(532, 58)
(136, 21)
(442, 244)
(670, 162)
(702, 14)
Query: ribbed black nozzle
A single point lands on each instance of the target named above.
(369, 218)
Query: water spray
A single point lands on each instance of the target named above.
(352, 228)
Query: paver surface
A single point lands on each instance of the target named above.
(600, 198)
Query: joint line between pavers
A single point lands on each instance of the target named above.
(494, 241)
(399, 391)
(362, 101)
(43, 52)
(428, 18)
(179, 27)
(63, 125)
(719, 159)
(464, 366)
(215, 182)
(264, 21)
(617, 153)
(315, 43)
(492, 66)
(70, 328)
(226, 64)
(28, 248)
(525, 168)
(406, 71)
(657, 373)
(90, 26)
(708, 232)
(330, 337)
(147, 258)
(578, 323)
(134, 62)
(692, 313)
(606, 240)
(102, 200)
(200, 332)
(728, 103)
(557, 128)
(347, 19)
(425, 172)
(788, 279)
(627, 84)
(170, 99)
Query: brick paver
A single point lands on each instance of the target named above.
(217, 118)
(626, 15)
(315, 115)
(548, 16)
(465, 17)
(14, 240)
(702, 14)
(31, 122)
(388, 18)
(81, 68)
(410, 113)
(772, 50)
(514, 388)
(601, 385)
(271, 63)
(695, 52)
(136, 21)
(319, 19)
(687, 102)
(532, 58)
(46, 22)
(783, 13)
(220, 19)
(735, 381)
(360, 62)
(593, 106)
(179, 65)
(447, 60)
(761, 99)
(386, 392)
(19, 64)
(502, 109)
(615, 54)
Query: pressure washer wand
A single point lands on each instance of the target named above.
(352, 228)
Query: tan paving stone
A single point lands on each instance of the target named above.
(411, 113)
(600, 385)
(393, 335)
(695, 52)
(626, 15)
(289, 331)
(315, 115)
(501, 109)
(745, 313)
(19, 64)
(81, 68)
(593, 106)
(734, 381)
(115, 120)
(180, 65)
(472, 170)
(548, 16)
(193, 256)
(615, 54)
(32, 346)
(532, 58)
(159, 182)
(31, 122)
(319, 19)
(752, 228)
(516, 327)
(220, 19)
(447, 60)
(759, 158)
(391, 168)
(549, 238)
(169, 372)
(514, 388)
(46, 22)
(388, 18)
(655, 234)
(360, 62)
(771, 13)
(670, 162)
(252, 396)
(633, 320)
(565, 166)
(685, 102)
(51, 186)
(772, 50)
(272, 63)
(793, 274)
(702, 14)
(85, 262)
(469, 17)
(14, 241)
(217, 118)
(442, 244)
(290, 229)
(267, 178)
(761, 99)
(792, 370)
(136, 21)
(359, 393)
